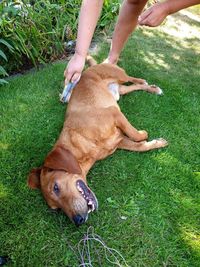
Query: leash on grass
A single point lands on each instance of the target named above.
(91, 247)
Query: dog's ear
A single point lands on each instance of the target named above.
(34, 178)
(62, 159)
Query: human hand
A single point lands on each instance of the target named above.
(74, 68)
(154, 15)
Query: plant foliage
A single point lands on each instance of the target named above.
(38, 30)
(3, 73)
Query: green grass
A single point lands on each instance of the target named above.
(157, 192)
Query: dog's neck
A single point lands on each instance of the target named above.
(85, 165)
(84, 162)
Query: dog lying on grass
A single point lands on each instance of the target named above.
(94, 128)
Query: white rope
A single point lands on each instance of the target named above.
(85, 246)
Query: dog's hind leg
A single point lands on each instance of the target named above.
(115, 74)
(124, 125)
(143, 146)
(137, 80)
(90, 60)
(124, 89)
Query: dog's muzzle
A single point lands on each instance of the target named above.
(88, 195)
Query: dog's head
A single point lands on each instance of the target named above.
(63, 185)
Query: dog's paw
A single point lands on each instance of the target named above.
(160, 91)
(142, 81)
(156, 90)
(106, 61)
(143, 135)
(159, 143)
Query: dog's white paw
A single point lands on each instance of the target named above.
(160, 91)
(143, 135)
(160, 142)
(157, 90)
(142, 81)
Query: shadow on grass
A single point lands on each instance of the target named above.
(187, 17)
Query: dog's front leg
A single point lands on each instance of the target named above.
(125, 126)
(137, 80)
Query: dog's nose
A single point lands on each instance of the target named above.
(79, 219)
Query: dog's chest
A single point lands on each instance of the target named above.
(106, 147)
(98, 145)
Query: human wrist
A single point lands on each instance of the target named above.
(113, 58)
(80, 54)
(167, 7)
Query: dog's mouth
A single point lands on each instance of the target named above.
(88, 195)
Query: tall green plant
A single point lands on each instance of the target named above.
(3, 56)
(109, 13)
(39, 29)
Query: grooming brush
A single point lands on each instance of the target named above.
(65, 96)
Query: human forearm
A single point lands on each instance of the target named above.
(89, 14)
(157, 13)
(173, 6)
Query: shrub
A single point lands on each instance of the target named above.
(3, 56)
(37, 30)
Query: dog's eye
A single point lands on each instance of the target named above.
(56, 189)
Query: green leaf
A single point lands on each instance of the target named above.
(3, 55)
(2, 81)
(6, 44)
(3, 72)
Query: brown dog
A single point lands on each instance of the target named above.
(93, 129)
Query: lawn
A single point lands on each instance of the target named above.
(149, 203)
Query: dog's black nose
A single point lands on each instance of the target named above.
(79, 219)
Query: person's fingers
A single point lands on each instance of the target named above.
(66, 81)
(68, 75)
(144, 15)
(74, 69)
(153, 16)
(75, 77)
(145, 22)
(153, 21)
(150, 21)
(65, 72)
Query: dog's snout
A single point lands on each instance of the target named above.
(79, 219)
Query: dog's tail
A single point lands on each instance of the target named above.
(90, 61)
